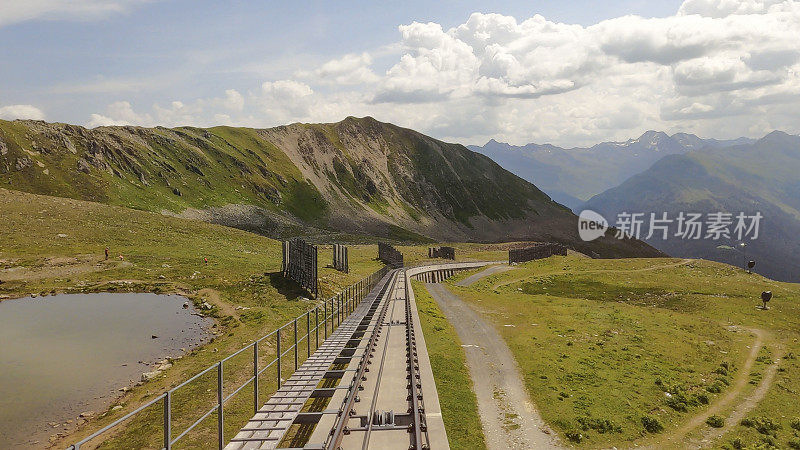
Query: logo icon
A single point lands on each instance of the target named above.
(591, 225)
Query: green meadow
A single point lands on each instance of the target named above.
(650, 351)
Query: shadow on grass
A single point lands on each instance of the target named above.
(286, 287)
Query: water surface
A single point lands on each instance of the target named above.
(67, 354)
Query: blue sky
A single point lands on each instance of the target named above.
(577, 73)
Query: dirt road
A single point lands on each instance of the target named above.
(509, 418)
(483, 274)
(743, 406)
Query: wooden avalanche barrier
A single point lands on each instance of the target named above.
(340, 261)
(536, 251)
(442, 252)
(390, 255)
(300, 264)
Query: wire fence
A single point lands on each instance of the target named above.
(257, 368)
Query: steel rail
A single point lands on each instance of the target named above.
(374, 403)
(340, 427)
(417, 408)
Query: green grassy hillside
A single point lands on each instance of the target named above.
(51, 245)
(155, 169)
(358, 176)
(646, 352)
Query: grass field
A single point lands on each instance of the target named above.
(624, 352)
(453, 383)
(53, 245)
(613, 352)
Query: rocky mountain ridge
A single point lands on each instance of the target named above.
(358, 176)
(572, 176)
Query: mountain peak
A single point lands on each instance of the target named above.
(654, 140)
(779, 138)
(777, 133)
(685, 136)
(493, 144)
(652, 134)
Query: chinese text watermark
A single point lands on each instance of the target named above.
(689, 226)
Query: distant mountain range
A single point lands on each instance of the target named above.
(758, 177)
(572, 176)
(658, 173)
(360, 177)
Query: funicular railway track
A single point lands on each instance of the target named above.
(380, 399)
(386, 410)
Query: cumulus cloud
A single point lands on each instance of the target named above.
(13, 112)
(15, 11)
(285, 99)
(724, 8)
(716, 67)
(286, 89)
(234, 100)
(712, 59)
(118, 114)
(349, 69)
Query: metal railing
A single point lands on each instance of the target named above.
(333, 312)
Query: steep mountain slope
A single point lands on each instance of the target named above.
(758, 177)
(358, 176)
(572, 176)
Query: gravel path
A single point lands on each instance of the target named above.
(483, 274)
(509, 419)
(743, 405)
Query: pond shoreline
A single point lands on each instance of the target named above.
(139, 339)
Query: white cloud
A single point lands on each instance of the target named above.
(234, 100)
(284, 100)
(716, 67)
(119, 113)
(724, 8)
(12, 112)
(349, 69)
(15, 11)
(707, 64)
(286, 89)
(696, 108)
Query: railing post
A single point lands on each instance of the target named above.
(295, 344)
(316, 324)
(279, 357)
(325, 318)
(167, 421)
(255, 377)
(220, 413)
(308, 334)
